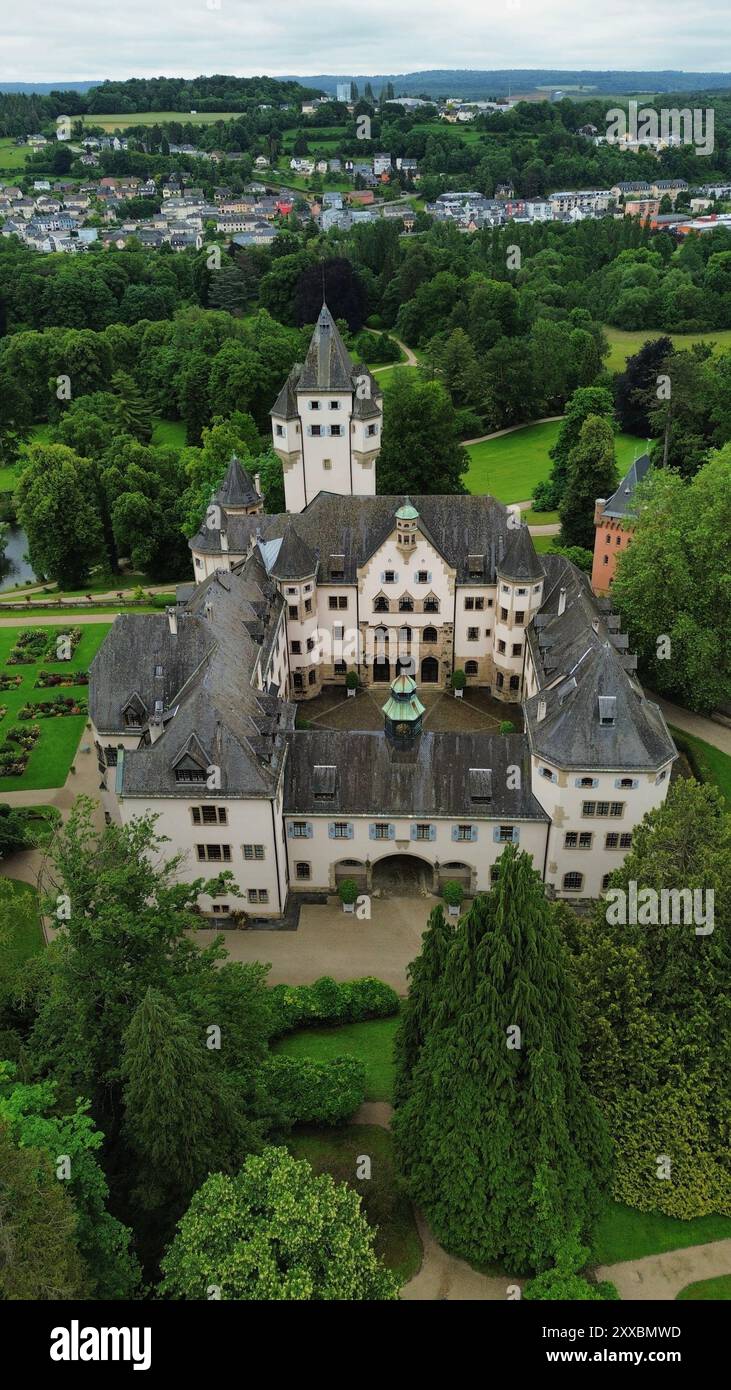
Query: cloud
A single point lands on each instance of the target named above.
(44, 41)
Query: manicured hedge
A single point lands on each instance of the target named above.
(310, 1092)
(326, 1001)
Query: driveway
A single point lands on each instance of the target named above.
(663, 1276)
(329, 941)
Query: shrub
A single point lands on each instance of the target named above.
(556, 1284)
(348, 890)
(326, 1001)
(306, 1091)
(453, 893)
(458, 680)
(506, 726)
(351, 680)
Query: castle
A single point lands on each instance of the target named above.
(194, 710)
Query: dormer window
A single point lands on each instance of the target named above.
(158, 671)
(607, 711)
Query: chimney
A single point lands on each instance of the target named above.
(561, 602)
(224, 542)
(599, 506)
(257, 483)
(541, 712)
(172, 621)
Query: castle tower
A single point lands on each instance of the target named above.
(295, 570)
(327, 422)
(403, 713)
(520, 579)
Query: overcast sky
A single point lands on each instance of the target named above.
(72, 40)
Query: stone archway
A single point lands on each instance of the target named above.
(429, 670)
(402, 876)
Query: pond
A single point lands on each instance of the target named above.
(14, 567)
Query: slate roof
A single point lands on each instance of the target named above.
(294, 559)
(237, 488)
(520, 560)
(328, 366)
(224, 628)
(581, 657)
(621, 503)
(461, 528)
(429, 781)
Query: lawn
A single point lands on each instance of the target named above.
(386, 377)
(510, 466)
(626, 1234)
(53, 754)
(20, 933)
(126, 118)
(371, 1041)
(542, 544)
(706, 1290)
(338, 1151)
(168, 434)
(13, 156)
(713, 764)
(625, 343)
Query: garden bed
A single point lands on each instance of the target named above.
(56, 708)
(46, 680)
(41, 644)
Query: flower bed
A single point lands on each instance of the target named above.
(16, 749)
(50, 709)
(46, 679)
(9, 682)
(40, 644)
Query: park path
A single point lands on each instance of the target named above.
(717, 734)
(663, 1276)
(109, 595)
(56, 619)
(410, 359)
(510, 429)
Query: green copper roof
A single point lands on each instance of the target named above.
(403, 684)
(407, 513)
(403, 704)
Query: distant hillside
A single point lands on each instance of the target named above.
(483, 83)
(43, 88)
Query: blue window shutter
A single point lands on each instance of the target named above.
(392, 832)
(395, 577)
(455, 832)
(428, 576)
(351, 832)
(432, 832)
(308, 832)
(413, 832)
(473, 833)
(371, 832)
(516, 834)
(383, 576)
(331, 831)
(496, 834)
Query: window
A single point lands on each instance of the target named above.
(431, 605)
(521, 591)
(209, 815)
(314, 405)
(585, 839)
(315, 431)
(571, 839)
(616, 808)
(258, 895)
(334, 405)
(626, 782)
(371, 430)
(517, 649)
(606, 560)
(338, 601)
(586, 781)
(503, 615)
(546, 772)
(520, 616)
(338, 632)
(221, 908)
(464, 832)
(605, 882)
(158, 671)
(293, 611)
(311, 677)
(252, 852)
(473, 634)
(291, 591)
(213, 854)
(279, 430)
(299, 830)
(406, 605)
(295, 648)
(573, 882)
(340, 668)
(310, 644)
(422, 576)
(430, 634)
(661, 777)
(380, 605)
(504, 588)
(515, 682)
(190, 774)
(336, 430)
(499, 680)
(423, 832)
(474, 603)
(389, 577)
(470, 668)
(494, 873)
(602, 808)
(308, 605)
(298, 681)
(501, 647)
(341, 830)
(327, 464)
(506, 835)
(380, 830)
(303, 871)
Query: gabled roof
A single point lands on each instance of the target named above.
(328, 365)
(520, 560)
(621, 503)
(237, 488)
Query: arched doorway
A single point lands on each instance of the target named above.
(429, 670)
(455, 871)
(401, 876)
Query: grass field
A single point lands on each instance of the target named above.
(337, 1151)
(625, 343)
(386, 377)
(21, 928)
(511, 466)
(626, 1234)
(123, 119)
(714, 764)
(168, 434)
(706, 1290)
(13, 156)
(53, 754)
(371, 1041)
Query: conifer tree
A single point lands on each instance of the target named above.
(425, 974)
(592, 473)
(135, 411)
(499, 1139)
